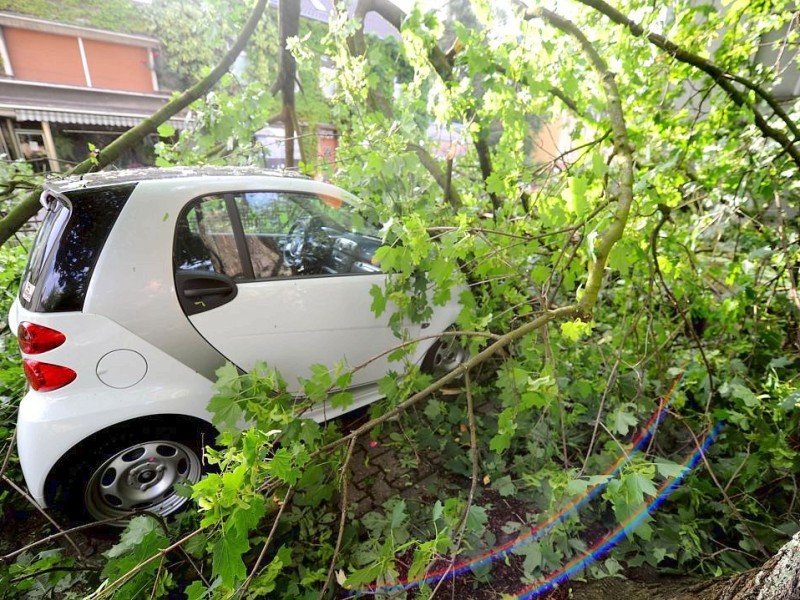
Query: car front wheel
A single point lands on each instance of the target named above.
(446, 354)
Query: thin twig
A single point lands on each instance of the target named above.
(286, 500)
(609, 384)
(33, 503)
(11, 443)
(57, 535)
(120, 581)
(342, 515)
(665, 212)
(158, 576)
(473, 445)
(791, 271)
(725, 496)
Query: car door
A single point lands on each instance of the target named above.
(281, 277)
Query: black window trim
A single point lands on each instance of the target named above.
(239, 237)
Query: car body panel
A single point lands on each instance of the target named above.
(317, 320)
(49, 424)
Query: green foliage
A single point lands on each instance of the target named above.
(47, 574)
(141, 540)
(703, 284)
(222, 131)
(115, 15)
(12, 380)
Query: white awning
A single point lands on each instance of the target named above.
(87, 118)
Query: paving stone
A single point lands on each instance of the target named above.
(487, 408)
(381, 491)
(355, 495)
(386, 460)
(360, 469)
(364, 507)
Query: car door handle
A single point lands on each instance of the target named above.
(207, 291)
(202, 291)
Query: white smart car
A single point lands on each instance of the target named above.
(142, 283)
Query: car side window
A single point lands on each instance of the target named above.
(266, 218)
(296, 234)
(205, 241)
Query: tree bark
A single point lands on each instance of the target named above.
(28, 207)
(288, 27)
(776, 579)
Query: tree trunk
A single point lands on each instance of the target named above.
(776, 579)
(28, 207)
(289, 26)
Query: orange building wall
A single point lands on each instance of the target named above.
(327, 148)
(38, 56)
(118, 67)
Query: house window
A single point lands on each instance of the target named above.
(31, 147)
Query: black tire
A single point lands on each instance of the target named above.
(119, 472)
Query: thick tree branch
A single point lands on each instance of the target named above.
(28, 207)
(622, 150)
(288, 27)
(439, 176)
(722, 78)
(394, 16)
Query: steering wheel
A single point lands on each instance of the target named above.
(294, 248)
(307, 245)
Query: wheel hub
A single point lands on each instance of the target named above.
(145, 475)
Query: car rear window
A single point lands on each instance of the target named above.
(67, 247)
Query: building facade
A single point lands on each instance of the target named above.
(65, 90)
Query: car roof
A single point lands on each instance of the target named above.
(104, 178)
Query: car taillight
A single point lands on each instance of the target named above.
(45, 377)
(35, 339)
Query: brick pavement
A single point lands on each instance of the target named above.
(379, 472)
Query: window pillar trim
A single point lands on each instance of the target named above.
(239, 237)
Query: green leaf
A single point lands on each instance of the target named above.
(341, 399)
(378, 300)
(196, 591)
(226, 415)
(533, 558)
(135, 532)
(227, 563)
(744, 394)
(576, 202)
(399, 514)
(504, 486)
(248, 515)
(612, 566)
(434, 409)
(165, 130)
(668, 468)
(575, 330)
(792, 400)
(620, 421)
(639, 486)
(281, 466)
